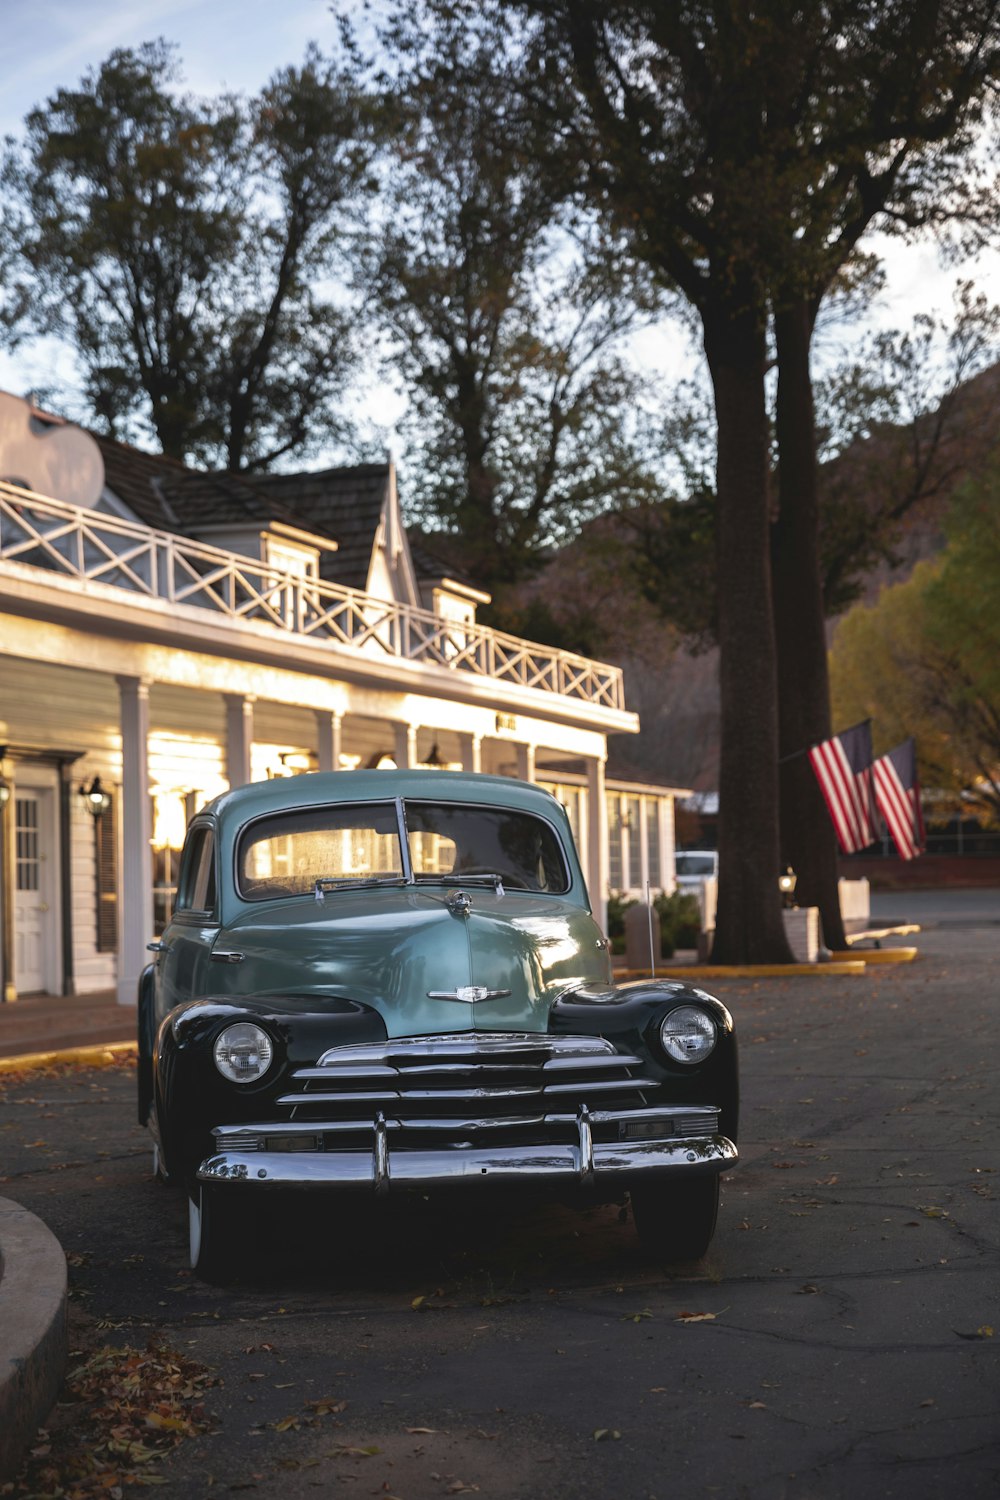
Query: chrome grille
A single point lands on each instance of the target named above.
(483, 1079)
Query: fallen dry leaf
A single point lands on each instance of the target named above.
(692, 1317)
(120, 1411)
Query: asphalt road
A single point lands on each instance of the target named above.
(839, 1343)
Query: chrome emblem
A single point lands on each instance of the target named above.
(468, 994)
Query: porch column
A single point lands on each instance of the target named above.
(239, 737)
(471, 751)
(526, 762)
(406, 746)
(597, 840)
(329, 740)
(668, 878)
(648, 877)
(135, 925)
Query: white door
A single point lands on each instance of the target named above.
(36, 954)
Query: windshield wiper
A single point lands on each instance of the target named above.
(352, 883)
(481, 877)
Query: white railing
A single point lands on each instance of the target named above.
(102, 548)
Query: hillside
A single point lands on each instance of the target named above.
(901, 476)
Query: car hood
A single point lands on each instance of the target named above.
(422, 965)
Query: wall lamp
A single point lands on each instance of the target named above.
(97, 799)
(786, 885)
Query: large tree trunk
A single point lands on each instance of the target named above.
(749, 926)
(808, 842)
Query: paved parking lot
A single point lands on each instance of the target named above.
(834, 1343)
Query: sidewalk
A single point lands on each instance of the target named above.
(53, 1023)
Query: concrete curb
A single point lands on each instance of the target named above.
(100, 1052)
(852, 965)
(881, 955)
(32, 1329)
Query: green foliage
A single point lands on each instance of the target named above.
(178, 245)
(925, 659)
(504, 306)
(618, 905)
(680, 921)
(678, 917)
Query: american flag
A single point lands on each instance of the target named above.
(843, 769)
(897, 792)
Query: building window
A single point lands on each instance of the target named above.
(615, 873)
(27, 854)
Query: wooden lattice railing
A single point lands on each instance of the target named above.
(103, 548)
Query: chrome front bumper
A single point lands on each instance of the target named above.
(585, 1164)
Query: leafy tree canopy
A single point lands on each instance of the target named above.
(186, 248)
(505, 308)
(925, 659)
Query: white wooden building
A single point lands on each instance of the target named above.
(167, 633)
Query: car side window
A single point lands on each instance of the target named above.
(196, 890)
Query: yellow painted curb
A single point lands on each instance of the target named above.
(880, 955)
(840, 966)
(100, 1052)
(903, 930)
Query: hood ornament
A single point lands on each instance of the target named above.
(468, 994)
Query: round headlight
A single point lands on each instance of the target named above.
(243, 1052)
(688, 1034)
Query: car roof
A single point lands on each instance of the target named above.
(306, 790)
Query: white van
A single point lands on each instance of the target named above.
(692, 866)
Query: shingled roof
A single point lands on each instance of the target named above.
(136, 478)
(345, 505)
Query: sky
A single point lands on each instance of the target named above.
(237, 44)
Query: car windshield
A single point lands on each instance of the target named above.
(695, 864)
(287, 853)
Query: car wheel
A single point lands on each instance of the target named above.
(210, 1233)
(677, 1221)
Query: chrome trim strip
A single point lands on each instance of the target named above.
(469, 1095)
(586, 1146)
(688, 1119)
(472, 1045)
(617, 1163)
(380, 1157)
(352, 1068)
(468, 994)
(403, 834)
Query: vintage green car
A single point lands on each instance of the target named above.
(386, 980)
